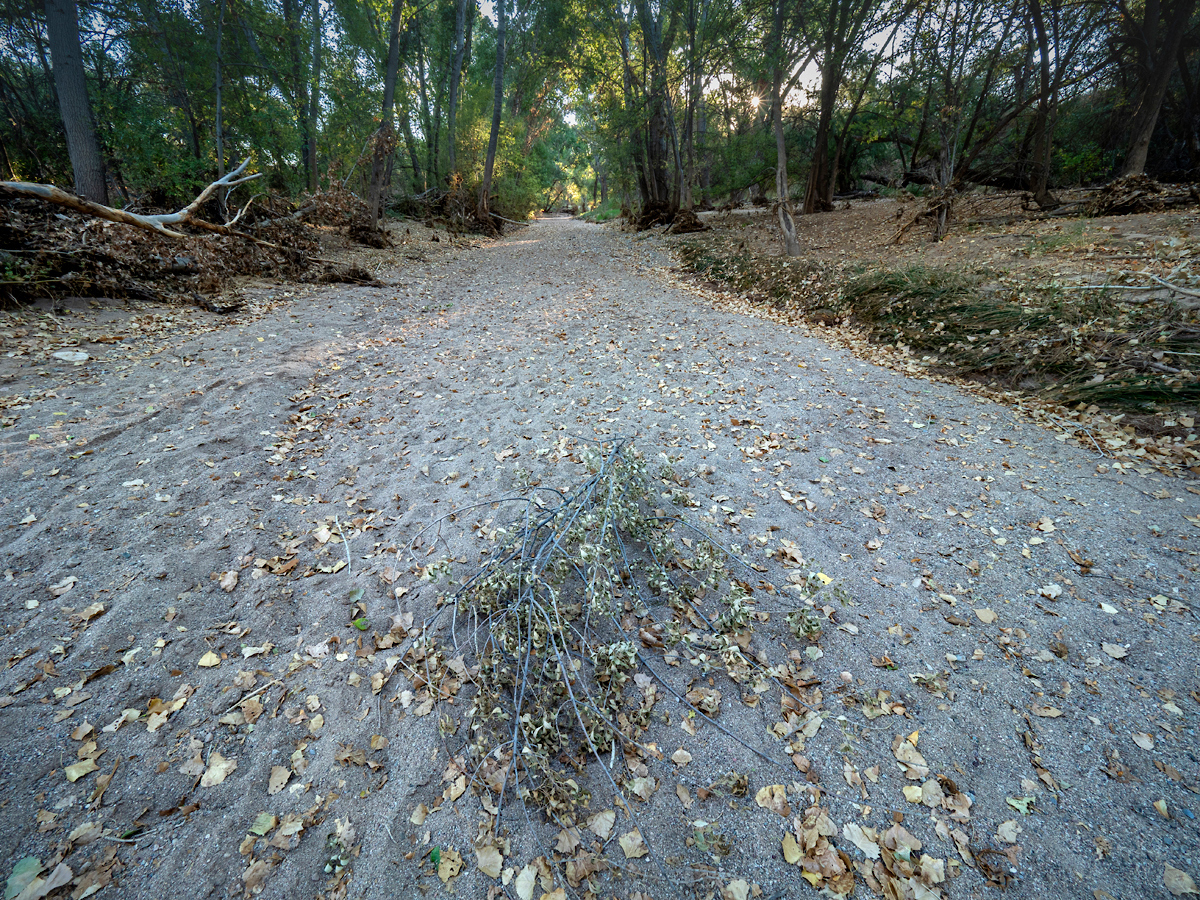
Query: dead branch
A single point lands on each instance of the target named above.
(1174, 287)
(155, 223)
(510, 221)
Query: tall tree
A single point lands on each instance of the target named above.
(481, 209)
(314, 99)
(66, 55)
(787, 226)
(298, 88)
(460, 46)
(218, 107)
(1157, 37)
(385, 136)
(837, 32)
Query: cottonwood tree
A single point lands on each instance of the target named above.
(1156, 37)
(70, 82)
(385, 136)
(482, 212)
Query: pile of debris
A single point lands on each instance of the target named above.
(1141, 194)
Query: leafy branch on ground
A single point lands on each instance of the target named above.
(569, 634)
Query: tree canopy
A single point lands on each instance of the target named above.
(663, 104)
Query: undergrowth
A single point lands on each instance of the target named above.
(1072, 346)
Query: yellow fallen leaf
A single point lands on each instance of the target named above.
(449, 865)
(279, 779)
(791, 850)
(912, 793)
(1143, 740)
(681, 757)
(1161, 807)
(489, 860)
(862, 838)
(986, 616)
(1046, 712)
(218, 770)
(633, 845)
(77, 771)
(209, 660)
(774, 798)
(601, 823)
(1008, 831)
(1116, 651)
(525, 882)
(1178, 882)
(419, 814)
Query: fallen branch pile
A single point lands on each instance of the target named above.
(593, 609)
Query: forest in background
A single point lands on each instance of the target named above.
(632, 104)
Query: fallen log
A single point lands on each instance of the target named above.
(156, 223)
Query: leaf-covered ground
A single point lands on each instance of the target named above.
(216, 562)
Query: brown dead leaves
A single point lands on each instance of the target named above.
(808, 846)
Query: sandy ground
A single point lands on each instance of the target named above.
(1030, 619)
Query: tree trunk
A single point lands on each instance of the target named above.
(314, 100)
(1161, 63)
(385, 137)
(410, 144)
(460, 46)
(432, 147)
(218, 125)
(62, 26)
(818, 194)
(481, 209)
(1043, 123)
(787, 225)
(299, 92)
(1190, 111)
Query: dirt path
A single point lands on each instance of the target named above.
(1046, 608)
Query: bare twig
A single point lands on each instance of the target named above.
(345, 541)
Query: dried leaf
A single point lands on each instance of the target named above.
(601, 823)
(489, 861)
(1178, 882)
(1008, 831)
(525, 882)
(79, 769)
(1116, 651)
(218, 770)
(774, 798)
(449, 865)
(865, 839)
(278, 780)
(633, 845)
